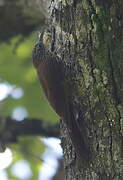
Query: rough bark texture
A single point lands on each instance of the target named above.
(89, 34)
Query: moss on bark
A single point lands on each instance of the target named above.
(94, 84)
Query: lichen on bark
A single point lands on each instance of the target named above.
(91, 40)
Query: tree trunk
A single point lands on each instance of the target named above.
(89, 35)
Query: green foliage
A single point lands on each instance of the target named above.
(17, 69)
(29, 149)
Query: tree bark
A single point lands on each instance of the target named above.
(90, 35)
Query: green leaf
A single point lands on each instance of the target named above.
(17, 69)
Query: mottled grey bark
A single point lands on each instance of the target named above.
(88, 36)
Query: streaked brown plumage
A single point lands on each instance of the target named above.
(51, 75)
(50, 69)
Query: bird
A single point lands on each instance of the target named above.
(52, 75)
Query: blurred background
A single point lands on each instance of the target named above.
(32, 153)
